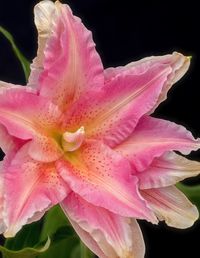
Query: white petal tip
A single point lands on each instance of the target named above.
(11, 231)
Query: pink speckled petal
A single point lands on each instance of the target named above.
(114, 235)
(28, 116)
(177, 61)
(70, 64)
(24, 113)
(167, 170)
(113, 113)
(44, 149)
(171, 205)
(152, 138)
(103, 178)
(30, 188)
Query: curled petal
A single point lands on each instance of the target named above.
(171, 205)
(103, 178)
(30, 188)
(8, 142)
(152, 138)
(44, 18)
(44, 149)
(106, 232)
(167, 170)
(70, 64)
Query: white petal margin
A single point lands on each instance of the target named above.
(45, 15)
(8, 146)
(4, 86)
(171, 205)
(105, 233)
(2, 223)
(87, 239)
(168, 170)
(178, 62)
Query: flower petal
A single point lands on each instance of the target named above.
(87, 239)
(44, 18)
(7, 142)
(152, 138)
(168, 170)
(171, 205)
(24, 113)
(70, 64)
(28, 116)
(2, 223)
(10, 145)
(113, 113)
(114, 235)
(30, 188)
(5, 86)
(177, 61)
(103, 178)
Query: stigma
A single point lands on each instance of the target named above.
(72, 141)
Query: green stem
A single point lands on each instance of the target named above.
(24, 62)
(85, 252)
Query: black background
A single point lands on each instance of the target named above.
(125, 31)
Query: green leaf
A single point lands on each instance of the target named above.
(62, 249)
(76, 252)
(64, 240)
(27, 236)
(25, 243)
(24, 62)
(192, 192)
(55, 226)
(85, 252)
(54, 219)
(27, 252)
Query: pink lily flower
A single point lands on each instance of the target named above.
(83, 137)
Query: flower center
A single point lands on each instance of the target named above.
(72, 141)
